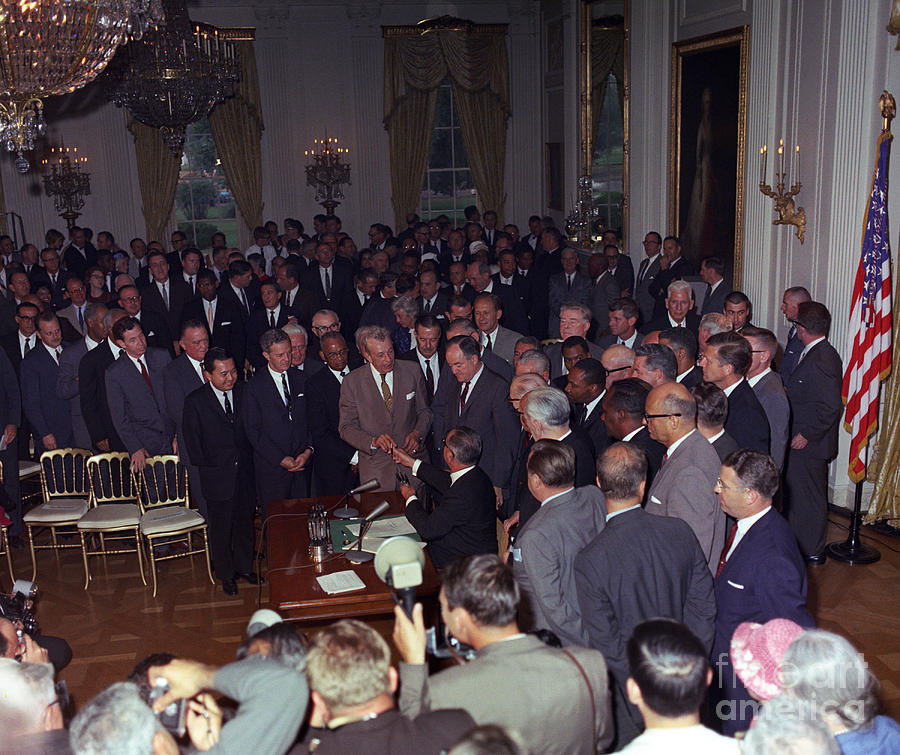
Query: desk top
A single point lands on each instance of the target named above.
(294, 591)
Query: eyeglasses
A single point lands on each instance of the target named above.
(661, 416)
(325, 328)
(723, 486)
(137, 297)
(618, 369)
(336, 354)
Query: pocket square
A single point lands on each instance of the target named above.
(410, 395)
(151, 333)
(299, 395)
(225, 323)
(654, 499)
(735, 584)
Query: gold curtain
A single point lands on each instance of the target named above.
(414, 67)
(607, 57)
(157, 176)
(237, 127)
(3, 224)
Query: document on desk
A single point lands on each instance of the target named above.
(384, 528)
(341, 581)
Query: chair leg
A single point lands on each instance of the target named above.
(206, 550)
(87, 572)
(152, 564)
(31, 546)
(139, 547)
(12, 576)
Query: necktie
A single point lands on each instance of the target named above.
(327, 283)
(80, 319)
(271, 318)
(427, 307)
(165, 293)
(665, 458)
(229, 412)
(145, 374)
(27, 345)
(429, 380)
(727, 548)
(286, 392)
(244, 300)
(582, 415)
(209, 315)
(386, 393)
(643, 270)
(191, 282)
(569, 282)
(708, 294)
(488, 345)
(58, 351)
(462, 397)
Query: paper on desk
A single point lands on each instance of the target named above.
(372, 544)
(385, 528)
(340, 581)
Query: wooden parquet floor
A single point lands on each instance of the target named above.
(116, 622)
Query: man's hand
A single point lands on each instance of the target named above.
(412, 442)
(204, 721)
(49, 441)
(32, 652)
(138, 458)
(498, 497)
(511, 522)
(406, 491)
(385, 442)
(403, 458)
(288, 463)
(103, 445)
(409, 636)
(301, 460)
(185, 678)
(663, 261)
(799, 442)
(175, 445)
(9, 432)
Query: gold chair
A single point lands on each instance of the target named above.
(29, 470)
(165, 500)
(66, 489)
(114, 513)
(4, 541)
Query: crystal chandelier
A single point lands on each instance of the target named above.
(176, 73)
(67, 182)
(50, 47)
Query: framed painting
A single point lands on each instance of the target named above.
(708, 124)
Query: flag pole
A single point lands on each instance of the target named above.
(853, 550)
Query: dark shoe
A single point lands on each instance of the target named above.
(817, 560)
(251, 578)
(229, 587)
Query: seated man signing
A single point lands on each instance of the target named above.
(463, 520)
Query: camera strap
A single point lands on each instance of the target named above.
(591, 693)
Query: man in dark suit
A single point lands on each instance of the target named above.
(80, 254)
(512, 314)
(165, 294)
(49, 415)
(330, 284)
(92, 388)
(683, 487)
(16, 345)
(605, 290)
(769, 389)
(509, 277)
(569, 285)
(623, 414)
(586, 387)
(684, 343)
(619, 266)
(351, 308)
(814, 392)
(725, 362)
(545, 548)
(239, 290)
(622, 316)
(792, 299)
(427, 353)
(739, 309)
(217, 444)
(456, 252)
(672, 267)
(10, 418)
(331, 463)
(55, 278)
(220, 316)
(378, 310)
(432, 301)
(760, 574)
(153, 325)
(272, 314)
(181, 377)
(712, 271)
(712, 411)
(134, 391)
(300, 300)
(477, 399)
(463, 522)
(655, 364)
(275, 416)
(678, 310)
(647, 273)
(639, 567)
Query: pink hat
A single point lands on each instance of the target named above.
(757, 651)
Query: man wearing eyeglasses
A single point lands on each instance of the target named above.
(327, 321)
(683, 487)
(29, 707)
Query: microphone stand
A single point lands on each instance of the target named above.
(359, 556)
(345, 511)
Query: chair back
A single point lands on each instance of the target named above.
(111, 479)
(64, 473)
(163, 481)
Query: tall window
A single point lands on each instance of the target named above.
(448, 187)
(609, 159)
(203, 201)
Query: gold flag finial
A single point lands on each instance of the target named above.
(888, 108)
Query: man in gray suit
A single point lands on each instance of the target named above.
(74, 314)
(544, 553)
(712, 271)
(134, 391)
(769, 389)
(515, 680)
(574, 320)
(488, 310)
(67, 386)
(647, 273)
(181, 377)
(383, 405)
(604, 291)
(571, 285)
(683, 487)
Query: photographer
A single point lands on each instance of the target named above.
(16, 618)
(31, 719)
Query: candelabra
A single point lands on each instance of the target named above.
(66, 182)
(788, 213)
(583, 225)
(326, 173)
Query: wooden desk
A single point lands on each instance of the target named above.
(294, 592)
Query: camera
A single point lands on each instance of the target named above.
(17, 606)
(173, 716)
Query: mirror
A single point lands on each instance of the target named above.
(604, 117)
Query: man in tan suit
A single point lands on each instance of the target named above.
(383, 405)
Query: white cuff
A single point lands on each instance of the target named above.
(412, 498)
(415, 466)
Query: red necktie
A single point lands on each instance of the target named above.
(727, 548)
(145, 374)
(462, 397)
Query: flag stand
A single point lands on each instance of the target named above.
(853, 551)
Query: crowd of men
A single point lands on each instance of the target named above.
(651, 470)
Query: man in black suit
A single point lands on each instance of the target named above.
(508, 276)
(153, 325)
(678, 311)
(739, 309)
(351, 308)
(725, 362)
(329, 283)
(712, 271)
(619, 265)
(432, 301)
(275, 416)
(814, 392)
(513, 315)
(712, 411)
(463, 522)
(166, 294)
(49, 415)
(427, 352)
(51, 275)
(217, 444)
(238, 290)
(585, 388)
(181, 377)
(623, 415)
(80, 254)
(272, 314)
(378, 309)
(331, 464)
(17, 345)
(639, 567)
(623, 317)
(672, 267)
(456, 252)
(92, 388)
(684, 343)
(792, 299)
(221, 317)
(10, 418)
(295, 297)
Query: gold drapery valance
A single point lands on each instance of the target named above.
(415, 65)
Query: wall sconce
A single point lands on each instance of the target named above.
(788, 213)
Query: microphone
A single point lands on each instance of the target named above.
(359, 556)
(365, 487)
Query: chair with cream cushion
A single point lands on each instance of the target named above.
(165, 500)
(114, 514)
(66, 489)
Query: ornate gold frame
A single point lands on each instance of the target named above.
(733, 37)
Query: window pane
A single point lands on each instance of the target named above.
(440, 150)
(442, 116)
(460, 160)
(441, 184)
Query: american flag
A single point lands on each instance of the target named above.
(869, 361)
